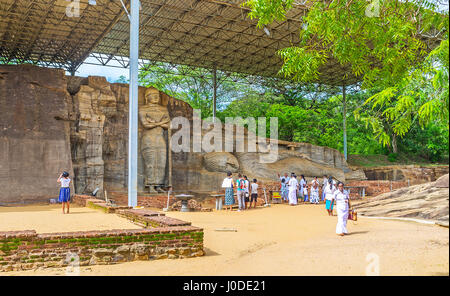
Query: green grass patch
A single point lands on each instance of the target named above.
(380, 160)
(52, 241)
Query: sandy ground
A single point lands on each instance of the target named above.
(49, 219)
(282, 240)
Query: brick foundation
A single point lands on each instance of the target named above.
(149, 219)
(80, 200)
(160, 202)
(163, 238)
(25, 250)
(157, 201)
(374, 188)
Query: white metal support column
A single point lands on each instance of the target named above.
(214, 93)
(133, 104)
(344, 100)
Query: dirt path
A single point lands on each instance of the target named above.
(48, 219)
(283, 240)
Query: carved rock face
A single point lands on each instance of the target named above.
(221, 162)
(152, 96)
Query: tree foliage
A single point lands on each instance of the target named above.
(402, 101)
(383, 43)
(194, 85)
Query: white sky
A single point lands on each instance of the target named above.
(112, 74)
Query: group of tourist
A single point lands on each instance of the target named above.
(333, 193)
(292, 191)
(246, 192)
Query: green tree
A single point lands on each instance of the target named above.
(194, 85)
(122, 79)
(384, 48)
(430, 143)
(420, 99)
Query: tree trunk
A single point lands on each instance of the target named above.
(394, 143)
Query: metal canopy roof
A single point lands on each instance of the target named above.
(200, 33)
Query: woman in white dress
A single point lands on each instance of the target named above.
(315, 191)
(329, 191)
(324, 185)
(293, 187)
(302, 185)
(342, 206)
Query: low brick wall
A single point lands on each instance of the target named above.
(354, 193)
(148, 219)
(26, 250)
(374, 188)
(80, 200)
(157, 201)
(160, 202)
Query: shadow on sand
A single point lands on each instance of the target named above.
(209, 252)
(76, 213)
(357, 232)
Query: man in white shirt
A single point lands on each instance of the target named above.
(293, 187)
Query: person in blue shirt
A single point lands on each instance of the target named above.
(284, 190)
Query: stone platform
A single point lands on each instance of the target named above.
(150, 219)
(25, 250)
(162, 237)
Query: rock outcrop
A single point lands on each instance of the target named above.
(288, 161)
(425, 201)
(221, 162)
(442, 182)
(35, 113)
(50, 123)
(415, 174)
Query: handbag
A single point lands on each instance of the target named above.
(352, 215)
